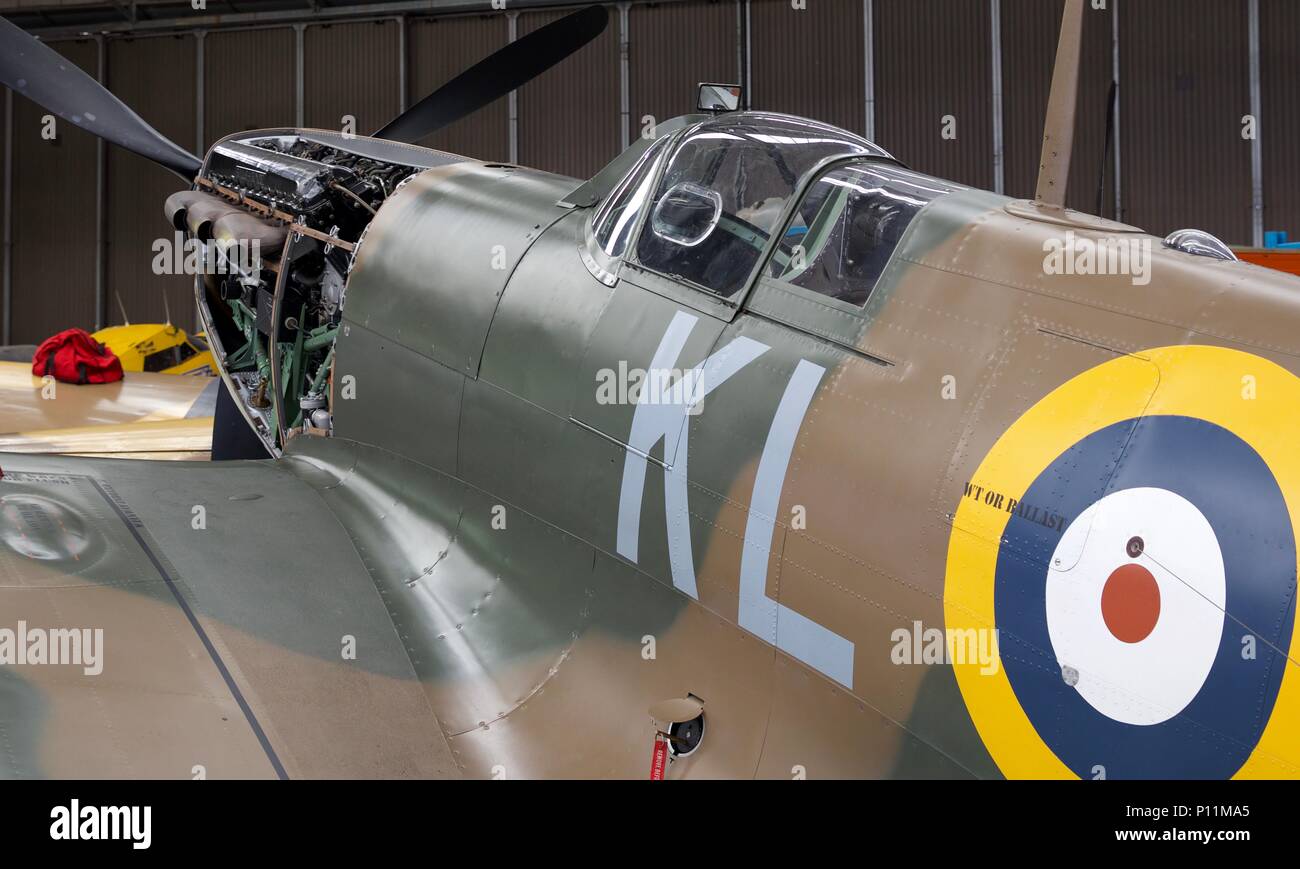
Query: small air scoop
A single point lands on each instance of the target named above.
(1200, 243)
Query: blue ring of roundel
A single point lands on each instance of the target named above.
(1234, 489)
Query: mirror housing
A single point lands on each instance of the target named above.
(714, 97)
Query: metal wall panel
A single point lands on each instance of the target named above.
(701, 39)
(53, 218)
(568, 117)
(352, 69)
(1030, 30)
(1279, 31)
(156, 77)
(440, 48)
(933, 60)
(1185, 84)
(248, 81)
(809, 61)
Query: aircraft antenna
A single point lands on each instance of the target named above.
(167, 308)
(1058, 131)
(125, 319)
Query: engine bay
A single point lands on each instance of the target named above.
(285, 213)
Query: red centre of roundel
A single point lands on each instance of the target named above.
(1130, 603)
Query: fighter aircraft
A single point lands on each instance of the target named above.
(757, 446)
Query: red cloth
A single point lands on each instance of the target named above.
(72, 356)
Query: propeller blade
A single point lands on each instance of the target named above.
(38, 72)
(1058, 131)
(497, 75)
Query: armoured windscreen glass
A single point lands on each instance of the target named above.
(618, 217)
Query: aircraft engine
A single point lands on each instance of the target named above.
(278, 215)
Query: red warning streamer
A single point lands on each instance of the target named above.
(659, 760)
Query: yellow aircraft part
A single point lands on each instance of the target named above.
(155, 347)
(157, 439)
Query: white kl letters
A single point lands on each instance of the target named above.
(759, 614)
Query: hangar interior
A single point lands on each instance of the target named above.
(953, 88)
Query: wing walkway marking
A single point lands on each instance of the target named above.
(134, 524)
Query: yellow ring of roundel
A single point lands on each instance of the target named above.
(1207, 383)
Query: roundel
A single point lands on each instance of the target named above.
(1132, 547)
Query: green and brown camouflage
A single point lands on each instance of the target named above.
(912, 535)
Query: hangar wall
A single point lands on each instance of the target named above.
(956, 88)
(53, 257)
(134, 188)
(1182, 105)
(1279, 26)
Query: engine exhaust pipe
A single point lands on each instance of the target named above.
(204, 212)
(241, 227)
(178, 204)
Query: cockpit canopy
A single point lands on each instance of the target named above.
(704, 204)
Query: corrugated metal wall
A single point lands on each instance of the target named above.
(560, 127)
(1279, 30)
(248, 81)
(933, 60)
(351, 69)
(440, 48)
(702, 40)
(808, 60)
(1183, 91)
(1184, 71)
(1030, 30)
(156, 77)
(53, 217)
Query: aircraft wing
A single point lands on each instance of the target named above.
(144, 414)
(153, 439)
(28, 403)
(187, 619)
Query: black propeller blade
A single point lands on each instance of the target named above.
(497, 75)
(45, 77)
